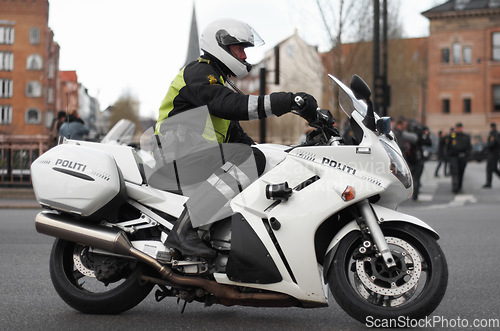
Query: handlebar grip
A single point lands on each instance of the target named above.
(299, 101)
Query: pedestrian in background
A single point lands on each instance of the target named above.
(415, 154)
(458, 150)
(74, 127)
(55, 126)
(442, 159)
(493, 148)
(401, 136)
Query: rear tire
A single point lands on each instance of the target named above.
(73, 279)
(366, 290)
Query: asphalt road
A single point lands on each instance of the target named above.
(469, 225)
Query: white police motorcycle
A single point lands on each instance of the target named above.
(321, 216)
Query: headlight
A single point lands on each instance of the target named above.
(398, 166)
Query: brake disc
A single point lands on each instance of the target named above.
(81, 261)
(406, 274)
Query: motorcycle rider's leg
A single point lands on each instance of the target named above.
(205, 203)
(185, 238)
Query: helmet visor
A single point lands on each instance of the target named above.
(247, 37)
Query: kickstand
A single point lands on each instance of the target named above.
(184, 307)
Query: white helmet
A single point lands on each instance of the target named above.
(219, 35)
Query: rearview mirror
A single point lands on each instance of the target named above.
(384, 125)
(360, 88)
(361, 91)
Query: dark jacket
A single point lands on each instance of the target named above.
(202, 83)
(459, 145)
(415, 153)
(493, 144)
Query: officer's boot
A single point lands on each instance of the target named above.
(184, 238)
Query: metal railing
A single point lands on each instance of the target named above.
(16, 155)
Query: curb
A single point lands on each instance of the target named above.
(18, 198)
(21, 206)
(17, 193)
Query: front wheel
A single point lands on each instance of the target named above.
(95, 283)
(367, 290)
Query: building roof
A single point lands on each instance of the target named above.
(454, 7)
(68, 75)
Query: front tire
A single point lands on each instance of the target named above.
(367, 290)
(73, 276)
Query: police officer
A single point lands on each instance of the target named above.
(399, 130)
(493, 147)
(203, 83)
(415, 155)
(458, 148)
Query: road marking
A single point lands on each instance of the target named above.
(459, 201)
(425, 197)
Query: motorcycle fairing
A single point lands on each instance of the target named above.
(249, 260)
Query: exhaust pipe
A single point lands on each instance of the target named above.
(108, 239)
(115, 241)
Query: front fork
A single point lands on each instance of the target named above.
(376, 233)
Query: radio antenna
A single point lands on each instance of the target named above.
(67, 114)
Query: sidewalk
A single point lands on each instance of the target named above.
(18, 198)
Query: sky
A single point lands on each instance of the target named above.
(138, 47)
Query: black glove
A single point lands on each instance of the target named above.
(306, 106)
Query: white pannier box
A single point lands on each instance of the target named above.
(77, 179)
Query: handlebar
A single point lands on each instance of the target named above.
(299, 101)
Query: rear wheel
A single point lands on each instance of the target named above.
(94, 283)
(366, 289)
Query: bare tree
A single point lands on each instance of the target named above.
(127, 107)
(349, 27)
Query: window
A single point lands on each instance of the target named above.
(49, 118)
(445, 55)
(467, 106)
(6, 88)
(457, 50)
(6, 61)
(6, 35)
(50, 95)
(33, 89)
(496, 98)
(33, 116)
(446, 106)
(467, 56)
(52, 70)
(290, 50)
(496, 46)
(5, 114)
(34, 36)
(34, 62)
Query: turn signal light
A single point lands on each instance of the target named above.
(349, 193)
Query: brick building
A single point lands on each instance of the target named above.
(464, 65)
(407, 70)
(68, 89)
(292, 66)
(29, 61)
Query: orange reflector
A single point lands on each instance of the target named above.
(349, 193)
